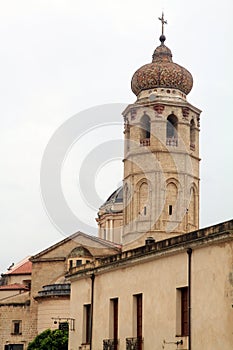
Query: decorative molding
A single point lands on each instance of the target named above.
(159, 109)
(185, 112)
(133, 113)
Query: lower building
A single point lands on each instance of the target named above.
(35, 296)
(178, 292)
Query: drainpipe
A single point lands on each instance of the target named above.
(92, 305)
(189, 252)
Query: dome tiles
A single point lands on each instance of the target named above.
(162, 72)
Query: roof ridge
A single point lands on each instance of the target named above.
(72, 236)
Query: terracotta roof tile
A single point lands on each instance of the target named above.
(23, 267)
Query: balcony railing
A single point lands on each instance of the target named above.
(145, 142)
(134, 343)
(172, 141)
(110, 344)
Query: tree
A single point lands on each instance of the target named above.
(50, 340)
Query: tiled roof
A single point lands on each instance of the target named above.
(14, 286)
(22, 268)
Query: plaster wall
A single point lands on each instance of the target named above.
(50, 310)
(158, 281)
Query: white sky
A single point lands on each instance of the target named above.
(61, 57)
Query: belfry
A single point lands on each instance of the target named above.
(161, 153)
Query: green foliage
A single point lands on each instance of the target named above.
(50, 340)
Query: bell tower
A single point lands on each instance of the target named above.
(161, 155)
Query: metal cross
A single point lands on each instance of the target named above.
(163, 22)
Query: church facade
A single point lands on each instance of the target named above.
(152, 279)
(171, 286)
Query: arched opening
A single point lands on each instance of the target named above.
(78, 256)
(171, 132)
(192, 210)
(171, 199)
(192, 135)
(126, 205)
(145, 129)
(143, 196)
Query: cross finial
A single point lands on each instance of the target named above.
(163, 22)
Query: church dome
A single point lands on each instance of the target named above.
(162, 73)
(116, 196)
(114, 202)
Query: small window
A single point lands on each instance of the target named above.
(70, 264)
(170, 209)
(16, 327)
(144, 211)
(27, 283)
(63, 326)
(78, 262)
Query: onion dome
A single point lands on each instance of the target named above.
(162, 73)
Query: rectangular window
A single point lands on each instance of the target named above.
(138, 319)
(63, 326)
(27, 283)
(78, 262)
(144, 210)
(114, 319)
(87, 324)
(184, 311)
(16, 327)
(170, 209)
(182, 327)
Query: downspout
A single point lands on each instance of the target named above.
(189, 252)
(92, 305)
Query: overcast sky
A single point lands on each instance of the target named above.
(59, 58)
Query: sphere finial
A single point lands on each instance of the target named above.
(162, 36)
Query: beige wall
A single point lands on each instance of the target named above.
(212, 311)
(8, 293)
(158, 280)
(80, 295)
(52, 308)
(161, 166)
(11, 279)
